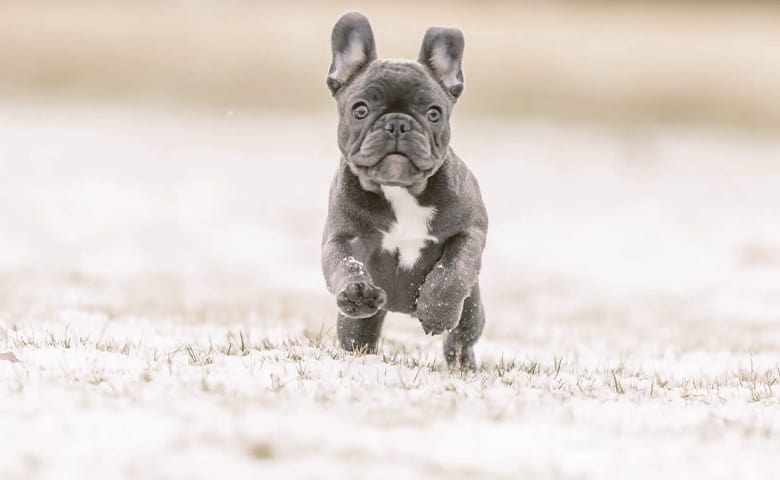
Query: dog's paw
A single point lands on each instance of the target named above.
(438, 315)
(360, 300)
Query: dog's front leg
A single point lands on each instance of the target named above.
(441, 296)
(347, 278)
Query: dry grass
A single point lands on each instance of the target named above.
(712, 63)
(189, 401)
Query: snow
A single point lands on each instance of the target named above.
(160, 286)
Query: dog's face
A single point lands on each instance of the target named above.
(394, 114)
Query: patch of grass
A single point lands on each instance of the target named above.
(261, 450)
(532, 368)
(616, 383)
(197, 356)
(244, 347)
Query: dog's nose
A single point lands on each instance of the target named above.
(397, 126)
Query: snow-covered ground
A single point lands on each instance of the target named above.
(160, 285)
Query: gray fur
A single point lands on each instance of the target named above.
(400, 142)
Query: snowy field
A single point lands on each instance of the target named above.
(160, 287)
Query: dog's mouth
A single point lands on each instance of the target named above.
(395, 169)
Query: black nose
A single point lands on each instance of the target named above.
(397, 126)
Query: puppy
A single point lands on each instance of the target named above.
(406, 223)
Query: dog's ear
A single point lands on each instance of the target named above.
(352, 44)
(442, 53)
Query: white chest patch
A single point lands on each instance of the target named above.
(407, 236)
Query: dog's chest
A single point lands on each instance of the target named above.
(411, 230)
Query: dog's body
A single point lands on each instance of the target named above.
(406, 223)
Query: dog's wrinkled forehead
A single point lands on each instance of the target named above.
(396, 82)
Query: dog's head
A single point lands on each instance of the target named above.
(394, 114)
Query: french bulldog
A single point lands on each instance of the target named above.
(406, 223)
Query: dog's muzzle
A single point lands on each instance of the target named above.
(395, 169)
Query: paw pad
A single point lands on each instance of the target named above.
(360, 300)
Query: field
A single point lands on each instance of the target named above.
(160, 287)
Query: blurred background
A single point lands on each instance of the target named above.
(627, 151)
(711, 62)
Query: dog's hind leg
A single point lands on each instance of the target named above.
(360, 334)
(459, 342)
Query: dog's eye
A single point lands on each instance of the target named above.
(433, 114)
(360, 110)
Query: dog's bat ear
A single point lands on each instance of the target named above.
(442, 53)
(352, 44)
